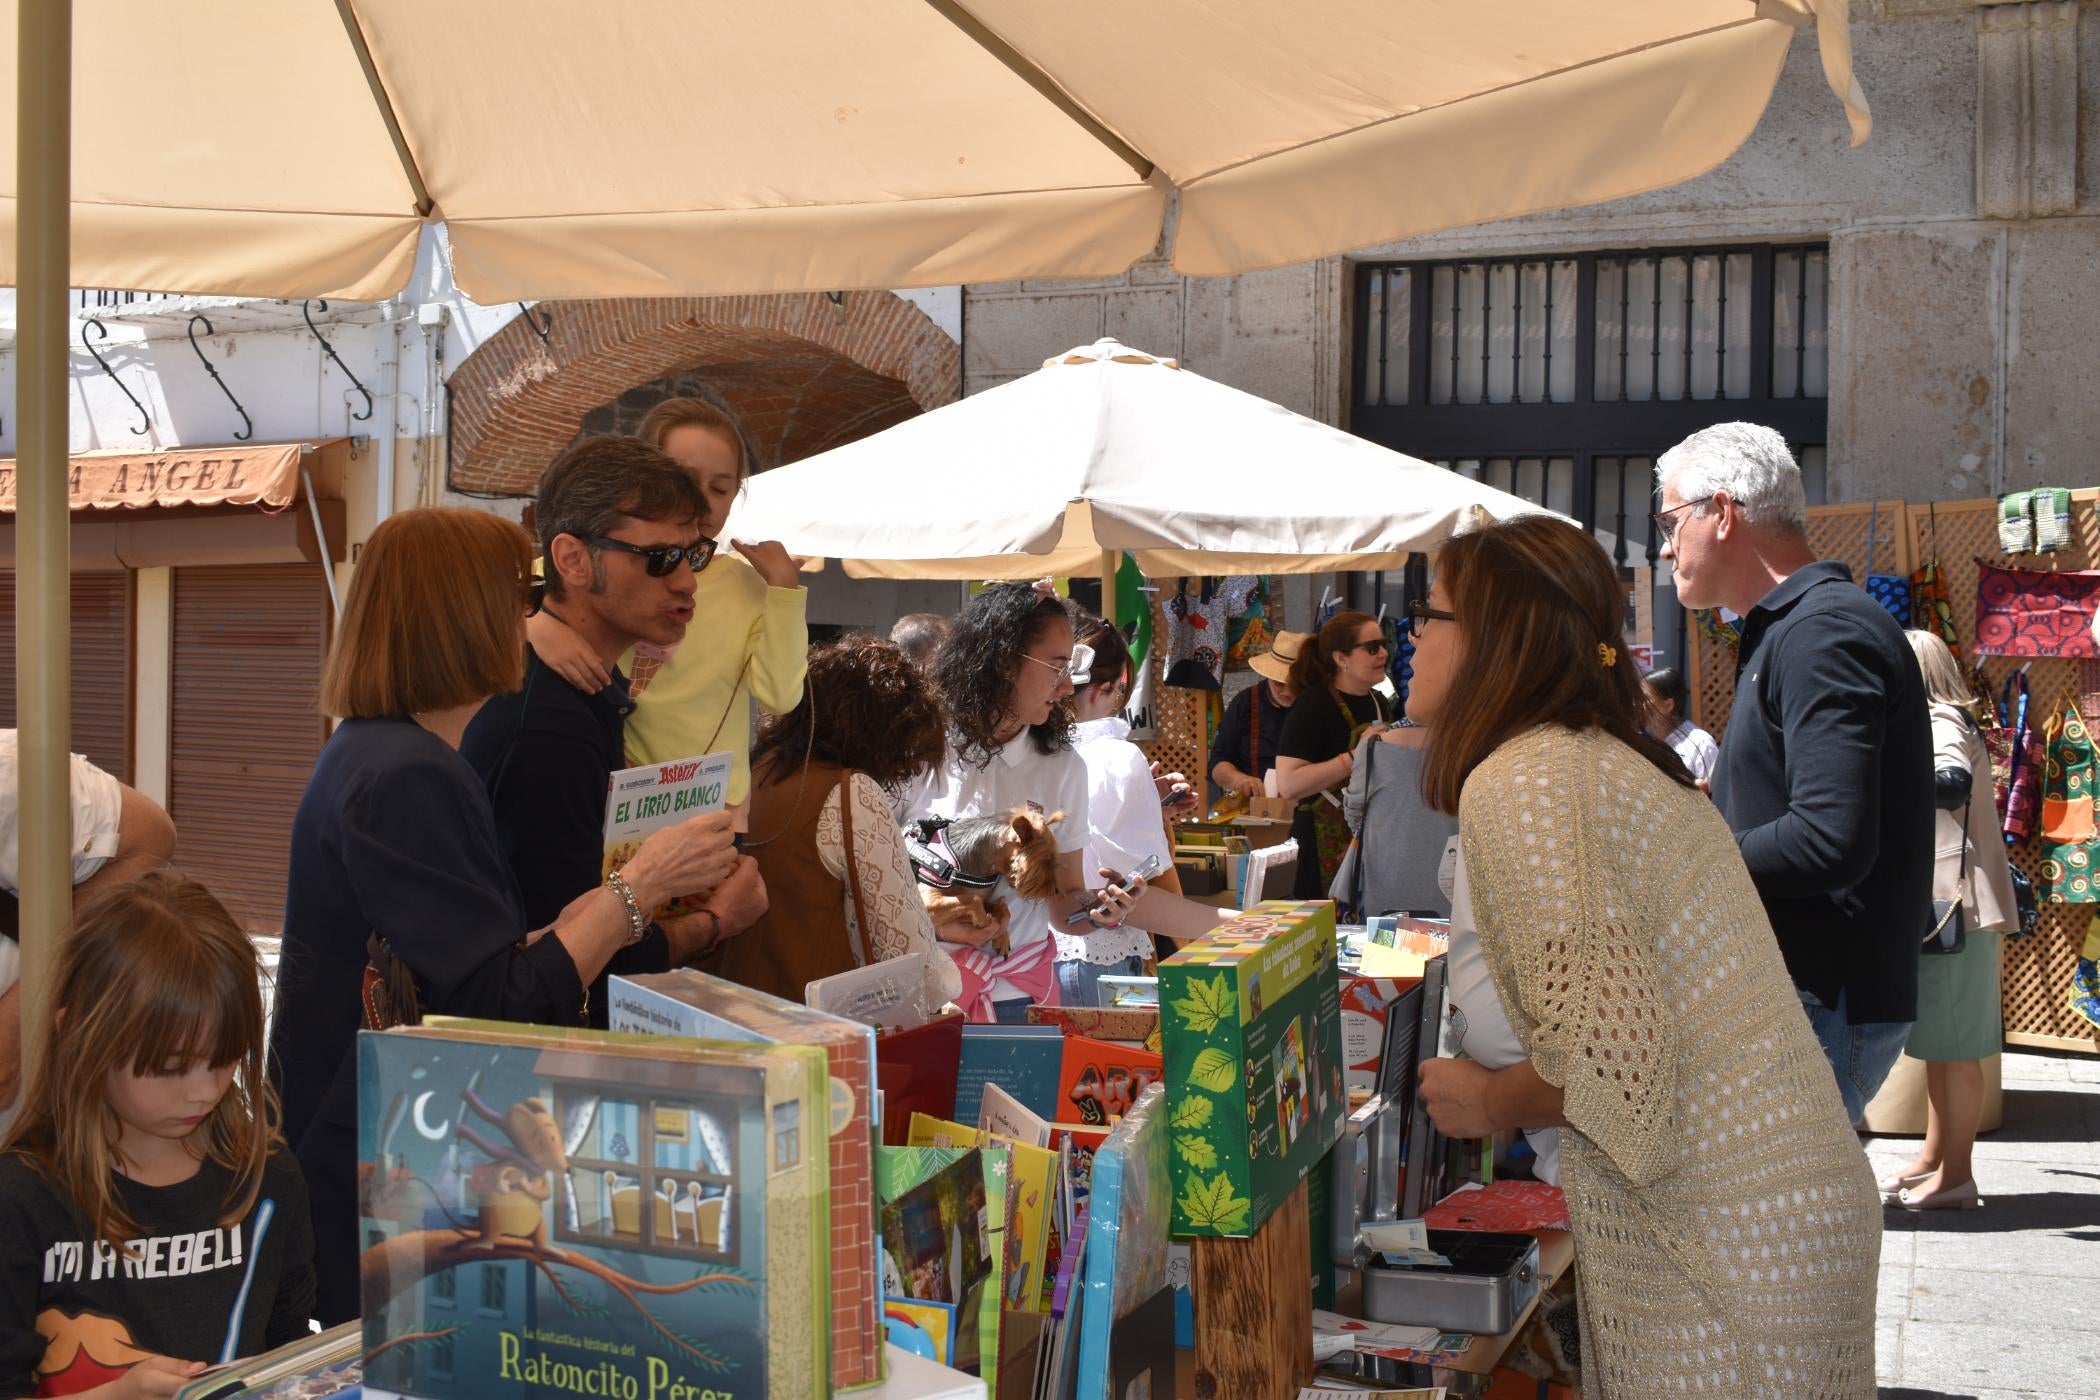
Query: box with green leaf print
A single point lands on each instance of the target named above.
(1251, 1025)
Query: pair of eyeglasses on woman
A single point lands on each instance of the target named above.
(1419, 612)
(659, 560)
(1375, 644)
(1075, 669)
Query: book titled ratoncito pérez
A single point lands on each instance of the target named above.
(553, 1213)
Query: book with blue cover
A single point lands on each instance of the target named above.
(556, 1211)
(1023, 1060)
(1126, 1233)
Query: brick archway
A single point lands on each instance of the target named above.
(801, 374)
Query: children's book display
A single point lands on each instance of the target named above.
(549, 1210)
(1251, 1018)
(693, 1005)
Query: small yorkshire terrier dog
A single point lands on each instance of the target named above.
(963, 863)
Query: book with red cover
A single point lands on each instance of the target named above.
(915, 1071)
(1100, 1080)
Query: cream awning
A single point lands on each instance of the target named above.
(655, 147)
(1110, 449)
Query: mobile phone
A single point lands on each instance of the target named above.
(1174, 794)
(1147, 868)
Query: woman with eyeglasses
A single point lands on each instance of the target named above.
(1718, 1196)
(400, 900)
(1128, 801)
(1334, 679)
(1006, 672)
(752, 636)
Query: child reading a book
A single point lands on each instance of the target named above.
(152, 1224)
(750, 635)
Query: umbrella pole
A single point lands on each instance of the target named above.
(43, 607)
(1111, 561)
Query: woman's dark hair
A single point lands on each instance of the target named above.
(1668, 682)
(1314, 669)
(874, 712)
(978, 660)
(1539, 608)
(1111, 652)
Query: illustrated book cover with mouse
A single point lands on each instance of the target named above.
(550, 1212)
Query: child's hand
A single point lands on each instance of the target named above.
(771, 560)
(564, 652)
(155, 1376)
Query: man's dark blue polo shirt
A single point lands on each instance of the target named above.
(1825, 776)
(546, 753)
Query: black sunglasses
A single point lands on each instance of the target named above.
(659, 560)
(1419, 612)
(1375, 644)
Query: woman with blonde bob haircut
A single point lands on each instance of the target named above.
(1958, 1025)
(1718, 1196)
(400, 899)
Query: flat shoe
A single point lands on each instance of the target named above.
(1894, 1184)
(1962, 1197)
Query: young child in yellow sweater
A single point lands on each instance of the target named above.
(750, 634)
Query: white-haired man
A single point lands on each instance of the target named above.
(1825, 772)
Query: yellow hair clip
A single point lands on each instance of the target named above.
(1607, 655)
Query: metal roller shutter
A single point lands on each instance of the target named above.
(102, 654)
(246, 725)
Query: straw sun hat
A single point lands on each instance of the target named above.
(1275, 663)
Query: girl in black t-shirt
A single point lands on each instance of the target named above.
(151, 1222)
(1333, 679)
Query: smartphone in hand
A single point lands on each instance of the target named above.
(1147, 868)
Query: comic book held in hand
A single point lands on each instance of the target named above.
(311, 1368)
(639, 802)
(549, 1211)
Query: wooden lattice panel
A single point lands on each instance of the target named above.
(2037, 970)
(1180, 721)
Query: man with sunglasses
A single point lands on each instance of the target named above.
(621, 542)
(1825, 770)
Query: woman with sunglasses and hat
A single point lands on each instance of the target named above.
(1337, 703)
(1245, 748)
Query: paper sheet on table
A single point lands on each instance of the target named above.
(1380, 961)
(1337, 1386)
(1358, 1335)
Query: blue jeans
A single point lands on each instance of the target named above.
(1079, 981)
(1860, 1056)
(1011, 1013)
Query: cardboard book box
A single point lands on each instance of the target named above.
(1251, 1023)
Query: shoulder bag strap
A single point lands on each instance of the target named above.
(862, 914)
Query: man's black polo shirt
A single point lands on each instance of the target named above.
(1825, 776)
(546, 753)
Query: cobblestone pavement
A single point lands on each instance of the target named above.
(2003, 1301)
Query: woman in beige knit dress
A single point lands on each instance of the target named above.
(1727, 1226)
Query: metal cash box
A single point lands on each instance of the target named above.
(1491, 1279)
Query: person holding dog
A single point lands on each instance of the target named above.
(839, 883)
(1006, 673)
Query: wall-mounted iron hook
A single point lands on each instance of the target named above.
(837, 299)
(101, 332)
(542, 322)
(247, 424)
(306, 309)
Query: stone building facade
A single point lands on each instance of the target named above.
(1961, 242)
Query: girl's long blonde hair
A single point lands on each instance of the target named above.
(1942, 673)
(155, 971)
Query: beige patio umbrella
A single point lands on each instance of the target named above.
(296, 148)
(658, 147)
(1104, 450)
